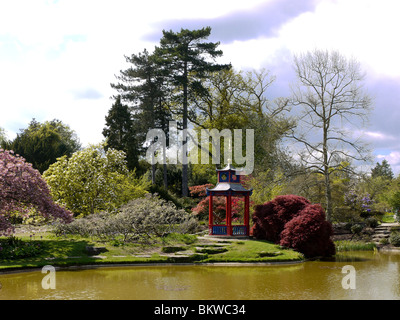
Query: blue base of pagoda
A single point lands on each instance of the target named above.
(223, 231)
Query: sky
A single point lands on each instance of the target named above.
(58, 57)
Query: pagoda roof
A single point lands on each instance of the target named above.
(230, 167)
(228, 186)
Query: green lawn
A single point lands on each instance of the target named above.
(174, 249)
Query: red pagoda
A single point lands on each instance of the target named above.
(229, 185)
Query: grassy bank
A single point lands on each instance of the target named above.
(350, 245)
(72, 251)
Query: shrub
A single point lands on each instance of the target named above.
(93, 180)
(22, 188)
(371, 222)
(141, 218)
(152, 216)
(15, 248)
(309, 233)
(356, 229)
(394, 239)
(94, 225)
(292, 221)
(270, 218)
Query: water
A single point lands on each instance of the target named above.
(377, 277)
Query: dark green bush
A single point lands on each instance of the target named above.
(14, 248)
(356, 228)
(371, 222)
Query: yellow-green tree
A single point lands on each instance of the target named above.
(93, 180)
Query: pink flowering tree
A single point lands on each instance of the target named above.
(22, 188)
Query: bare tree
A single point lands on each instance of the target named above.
(333, 105)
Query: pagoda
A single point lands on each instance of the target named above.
(229, 186)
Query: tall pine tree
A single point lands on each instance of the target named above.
(186, 59)
(142, 85)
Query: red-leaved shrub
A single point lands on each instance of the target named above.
(270, 218)
(292, 221)
(309, 233)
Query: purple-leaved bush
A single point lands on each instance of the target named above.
(21, 188)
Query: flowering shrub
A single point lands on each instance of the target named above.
(21, 189)
(200, 191)
(362, 204)
(142, 218)
(93, 180)
(294, 222)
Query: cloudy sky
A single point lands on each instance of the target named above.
(58, 57)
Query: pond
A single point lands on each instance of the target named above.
(377, 276)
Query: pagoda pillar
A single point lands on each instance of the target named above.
(210, 214)
(229, 214)
(246, 214)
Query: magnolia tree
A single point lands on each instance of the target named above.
(93, 180)
(21, 189)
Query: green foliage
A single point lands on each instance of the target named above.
(371, 222)
(394, 238)
(15, 248)
(42, 143)
(93, 180)
(186, 60)
(347, 245)
(356, 228)
(382, 170)
(120, 133)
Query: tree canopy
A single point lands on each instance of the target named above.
(187, 59)
(92, 180)
(42, 143)
(330, 93)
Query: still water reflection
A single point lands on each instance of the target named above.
(377, 277)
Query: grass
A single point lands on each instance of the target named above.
(388, 218)
(255, 251)
(347, 245)
(71, 251)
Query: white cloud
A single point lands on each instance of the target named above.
(378, 136)
(365, 29)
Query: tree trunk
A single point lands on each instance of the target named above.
(328, 197)
(328, 194)
(184, 140)
(153, 174)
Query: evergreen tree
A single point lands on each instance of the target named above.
(120, 133)
(184, 57)
(382, 170)
(143, 87)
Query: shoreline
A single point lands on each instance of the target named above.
(147, 264)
